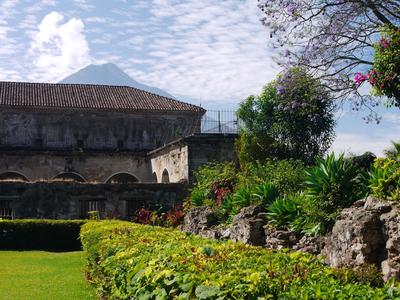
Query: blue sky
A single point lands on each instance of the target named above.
(210, 52)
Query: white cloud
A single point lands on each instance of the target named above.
(360, 143)
(205, 49)
(84, 5)
(59, 48)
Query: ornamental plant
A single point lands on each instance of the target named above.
(385, 179)
(384, 76)
(132, 261)
(291, 118)
(332, 184)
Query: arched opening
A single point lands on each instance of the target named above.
(13, 176)
(69, 176)
(165, 176)
(122, 177)
(155, 179)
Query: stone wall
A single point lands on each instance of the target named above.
(172, 162)
(63, 200)
(90, 165)
(95, 130)
(182, 157)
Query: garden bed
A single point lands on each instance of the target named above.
(131, 261)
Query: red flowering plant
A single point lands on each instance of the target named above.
(221, 190)
(147, 217)
(384, 76)
(174, 217)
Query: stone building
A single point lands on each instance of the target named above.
(108, 142)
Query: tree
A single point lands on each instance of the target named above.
(393, 152)
(334, 39)
(291, 118)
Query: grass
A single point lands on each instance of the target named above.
(40, 275)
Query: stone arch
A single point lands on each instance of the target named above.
(155, 178)
(69, 176)
(13, 176)
(123, 177)
(165, 176)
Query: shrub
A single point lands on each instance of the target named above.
(332, 184)
(286, 175)
(385, 179)
(55, 235)
(171, 218)
(283, 211)
(205, 179)
(131, 261)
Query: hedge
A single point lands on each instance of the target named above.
(132, 261)
(54, 235)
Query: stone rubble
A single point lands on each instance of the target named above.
(368, 232)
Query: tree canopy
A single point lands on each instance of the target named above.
(291, 118)
(334, 39)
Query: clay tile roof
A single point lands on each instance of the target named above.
(87, 96)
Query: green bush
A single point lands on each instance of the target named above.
(55, 235)
(206, 176)
(131, 261)
(385, 179)
(332, 184)
(286, 175)
(283, 211)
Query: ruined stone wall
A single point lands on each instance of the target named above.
(96, 130)
(210, 148)
(181, 158)
(73, 200)
(92, 166)
(172, 162)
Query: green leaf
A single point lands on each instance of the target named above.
(206, 292)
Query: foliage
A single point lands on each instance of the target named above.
(171, 218)
(331, 38)
(286, 175)
(283, 211)
(332, 184)
(385, 179)
(393, 152)
(205, 186)
(364, 161)
(56, 235)
(44, 275)
(131, 261)
(291, 118)
(385, 73)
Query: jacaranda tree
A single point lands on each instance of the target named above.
(291, 118)
(334, 39)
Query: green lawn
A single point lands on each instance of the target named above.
(38, 275)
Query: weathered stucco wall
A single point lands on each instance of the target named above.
(92, 166)
(182, 157)
(172, 161)
(74, 200)
(96, 130)
(210, 148)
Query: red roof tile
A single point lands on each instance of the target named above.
(87, 96)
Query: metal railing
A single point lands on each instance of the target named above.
(220, 121)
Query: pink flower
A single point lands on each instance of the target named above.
(384, 43)
(360, 78)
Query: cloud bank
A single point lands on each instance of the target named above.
(59, 48)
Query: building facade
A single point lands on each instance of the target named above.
(54, 135)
